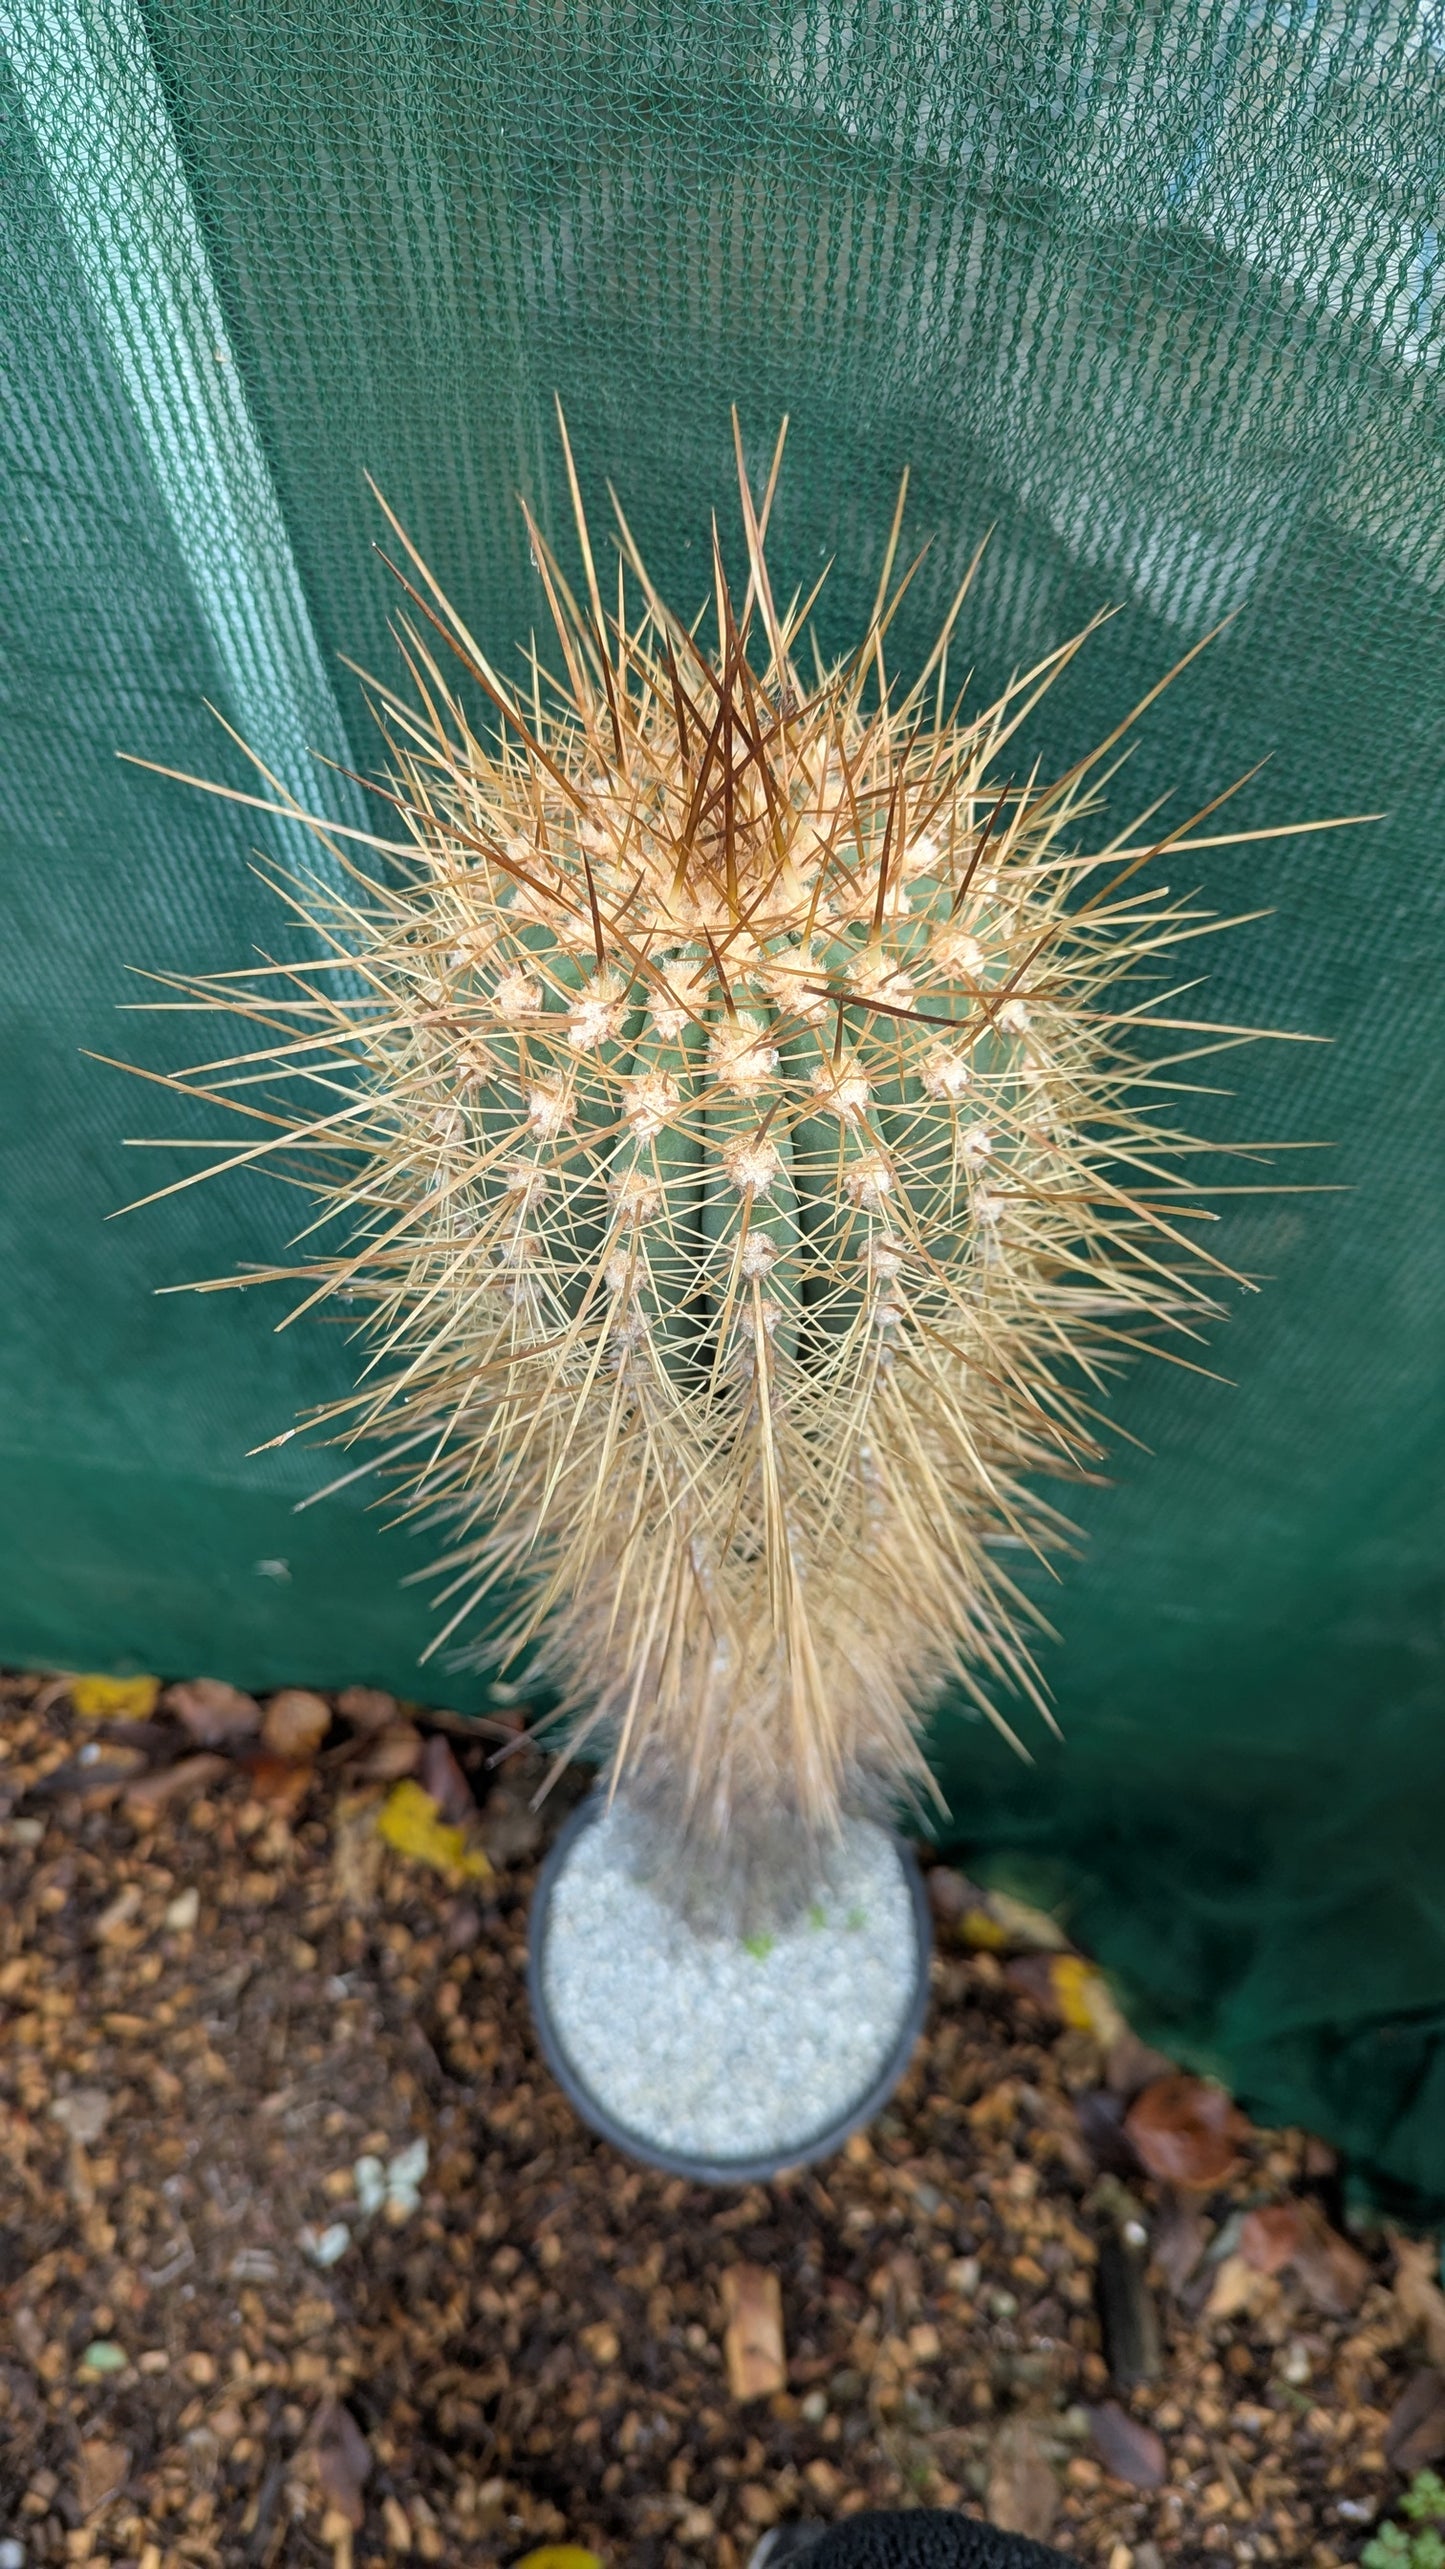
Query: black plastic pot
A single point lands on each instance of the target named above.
(740, 2171)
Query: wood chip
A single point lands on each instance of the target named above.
(753, 2338)
(118, 1913)
(356, 1851)
(191, 1776)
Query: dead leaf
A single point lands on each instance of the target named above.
(1023, 2494)
(753, 2338)
(981, 1932)
(1072, 1990)
(1415, 2435)
(343, 2461)
(410, 1822)
(1084, 1999)
(1237, 2286)
(1417, 2290)
(510, 1830)
(1132, 2065)
(442, 1777)
(1186, 2130)
(212, 1711)
(560, 2555)
(1331, 2273)
(367, 1708)
(151, 1793)
(278, 1784)
(389, 1754)
(103, 2469)
(1100, 2119)
(99, 1698)
(1270, 2235)
(295, 1723)
(1128, 2450)
(1180, 2238)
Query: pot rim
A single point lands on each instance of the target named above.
(750, 2170)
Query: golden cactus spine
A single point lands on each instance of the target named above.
(732, 1122)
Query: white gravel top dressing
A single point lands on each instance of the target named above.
(714, 2047)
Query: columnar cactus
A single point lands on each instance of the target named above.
(732, 1116)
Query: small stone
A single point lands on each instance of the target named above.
(368, 2179)
(325, 2247)
(395, 2524)
(183, 1911)
(295, 1724)
(389, 1754)
(213, 1712)
(367, 1708)
(82, 2114)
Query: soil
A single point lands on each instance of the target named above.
(212, 2007)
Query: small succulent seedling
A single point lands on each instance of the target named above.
(1422, 2545)
(723, 1093)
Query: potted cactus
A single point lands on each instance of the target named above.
(742, 1154)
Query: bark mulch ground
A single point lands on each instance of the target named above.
(220, 1989)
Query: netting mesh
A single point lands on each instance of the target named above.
(1155, 293)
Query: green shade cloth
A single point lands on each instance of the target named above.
(1155, 293)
